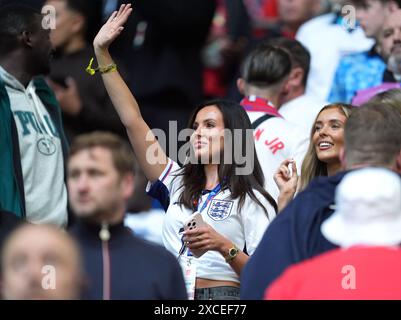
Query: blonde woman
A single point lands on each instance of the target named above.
(322, 157)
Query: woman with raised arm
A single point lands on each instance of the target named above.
(228, 194)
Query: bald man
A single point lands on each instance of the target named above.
(40, 262)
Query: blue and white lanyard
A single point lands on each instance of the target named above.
(210, 197)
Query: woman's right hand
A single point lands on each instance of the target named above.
(112, 28)
(141, 137)
(286, 182)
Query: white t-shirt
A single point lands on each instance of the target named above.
(276, 139)
(244, 229)
(327, 43)
(302, 111)
(41, 155)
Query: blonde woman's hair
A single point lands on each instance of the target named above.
(311, 166)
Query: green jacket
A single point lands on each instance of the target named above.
(12, 197)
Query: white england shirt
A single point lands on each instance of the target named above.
(276, 139)
(244, 228)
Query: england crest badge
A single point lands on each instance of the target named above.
(220, 209)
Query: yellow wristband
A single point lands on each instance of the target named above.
(92, 71)
(110, 68)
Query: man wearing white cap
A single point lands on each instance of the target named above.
(366, 225)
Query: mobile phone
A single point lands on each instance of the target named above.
(289, 166)
(194, 221)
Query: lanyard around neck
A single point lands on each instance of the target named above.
(211, 195)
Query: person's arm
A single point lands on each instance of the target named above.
(139, 133)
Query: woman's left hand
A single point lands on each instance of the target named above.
(205, 238)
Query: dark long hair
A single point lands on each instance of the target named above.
(194, 178)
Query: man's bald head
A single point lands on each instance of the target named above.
(40, 262)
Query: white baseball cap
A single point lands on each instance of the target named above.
(368, 209)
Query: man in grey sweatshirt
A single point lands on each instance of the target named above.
(32, 142)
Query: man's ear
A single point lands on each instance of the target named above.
(26, 38)
(296, 76)
(342, 158)
(241, 85)
(79, 23)
(128, 185)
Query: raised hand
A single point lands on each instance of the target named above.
(286, 181)
(284, 178)
(112, 28)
